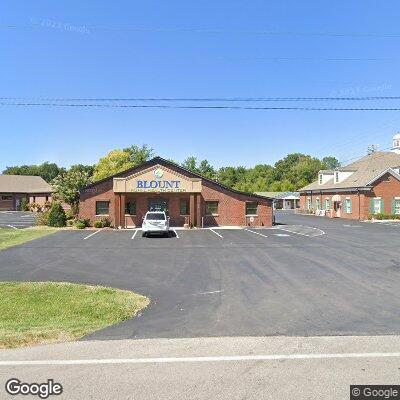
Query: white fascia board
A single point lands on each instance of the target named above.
(387, 170)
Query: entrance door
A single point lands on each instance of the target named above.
(158, 204)
(337, 208)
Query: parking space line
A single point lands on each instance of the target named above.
(92, 234)
(176, 235)
(212, 230)
(257, 233)
(321, 232)
(133, 236)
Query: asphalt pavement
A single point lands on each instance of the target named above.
(276, 368)
(309, 276)
(17, 219)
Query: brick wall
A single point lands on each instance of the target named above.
(387, 188)
(231, 210)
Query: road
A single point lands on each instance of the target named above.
(208, 368)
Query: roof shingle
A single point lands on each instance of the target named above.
(23, 184)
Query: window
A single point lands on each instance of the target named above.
(184, 207)
(318, 204)
(336, 176)
(308, 204)
(327, 204)
(130, 207)
(348, 206)
(396, 206)
(376, 206)
(6, 198)
(320, 179)
(211, 207)
(251, 208)
(155, 216)
(102, 207)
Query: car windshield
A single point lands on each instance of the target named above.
(155, 216)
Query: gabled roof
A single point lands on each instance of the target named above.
(23, 184)
(365, 171)
(167, 163)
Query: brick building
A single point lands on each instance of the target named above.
(190, 199)
(368, 186)
(15, 188)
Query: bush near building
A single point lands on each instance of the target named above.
(57, 217)
(384, 216)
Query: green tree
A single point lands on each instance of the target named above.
(190, 163)
(57, 217)
(140, 154)
(89, 169)
(330, 162)
(66, 187)
(206, 169)
(48, 171)
(115, 161)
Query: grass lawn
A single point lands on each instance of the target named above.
(11, 237)
(45, 312)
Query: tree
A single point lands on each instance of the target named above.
(89, 169)
(48, 171)
(67, 185)
(140, 154)
(115, 161)
(206, 169)
(190, 163)
(57, 217)
(330, 162)
(120, 160)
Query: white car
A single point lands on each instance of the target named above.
(155, 222)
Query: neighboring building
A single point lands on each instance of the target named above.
(368, 186)
(190, 199)
(14, 188)
(283, 200)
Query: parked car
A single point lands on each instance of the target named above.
(155, 222)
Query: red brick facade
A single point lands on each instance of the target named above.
(387, 188)
(231, 204)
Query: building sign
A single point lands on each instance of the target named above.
(158, 180)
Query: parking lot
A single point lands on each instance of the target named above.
(306, 276)
(17, 219)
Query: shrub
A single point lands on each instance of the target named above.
(57, 215)
(46, 206)
(70, 214)
(70, 222)
(105, 222)
(43, 218)
(102, 223)
(24, 205)
(82, 223)
(98, 224)
(35, 207)
(382, 216)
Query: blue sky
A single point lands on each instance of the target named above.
(208, 49)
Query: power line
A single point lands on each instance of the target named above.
(160, 106)
(46, 22)
(208, 99)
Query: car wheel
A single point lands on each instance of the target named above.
(144, 234)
